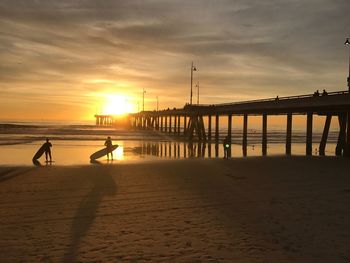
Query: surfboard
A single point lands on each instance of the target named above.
(102, 152)
(39, 153)
(36, 162)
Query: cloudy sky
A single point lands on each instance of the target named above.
(60, 59)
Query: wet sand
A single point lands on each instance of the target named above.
(272, 209)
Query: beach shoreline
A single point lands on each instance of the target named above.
(255, 209)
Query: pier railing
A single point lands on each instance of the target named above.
(285, 98)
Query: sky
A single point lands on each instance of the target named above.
(65, 60)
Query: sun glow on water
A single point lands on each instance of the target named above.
(119, 153)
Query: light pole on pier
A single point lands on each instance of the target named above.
(157, 104)
(143, 99)
(197, 85)
(193, 68)
(347, 43)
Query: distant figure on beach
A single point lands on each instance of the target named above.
(316, 93)
(109, 145)
(324, 93)
(47, 147)
(227, 145)
(277, 98)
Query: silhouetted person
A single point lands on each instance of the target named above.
(227, 145)
(47, 147)
(277, 98)
(109, 146)
(316, 93)
(324, 93)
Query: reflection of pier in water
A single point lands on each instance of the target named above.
(183, 149)
(178, 150)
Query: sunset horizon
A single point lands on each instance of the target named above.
(175, 131)
(61, 59)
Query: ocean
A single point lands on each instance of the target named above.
(74, 143)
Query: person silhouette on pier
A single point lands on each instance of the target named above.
(227, 146)
(47, 148)
(109, 146)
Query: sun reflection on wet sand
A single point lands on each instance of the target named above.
(78, 152)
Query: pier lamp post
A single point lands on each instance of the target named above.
(347, 43)
(197, 85)
(157, 104)
(143, 99)
(193, 68)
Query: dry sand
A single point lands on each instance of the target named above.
(273, 209)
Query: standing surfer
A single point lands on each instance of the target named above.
(109, 146)
(47, 148)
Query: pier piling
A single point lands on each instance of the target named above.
(325, 134)
(209, 128)
(341, 143)
(289, 134)
(245, 130)
(309, 120)
(264, 134)
(347, 152)
(229, 133)
(216, 128)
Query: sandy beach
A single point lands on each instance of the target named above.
(256, 209)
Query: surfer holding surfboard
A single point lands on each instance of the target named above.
(105, 151)
(47, 147)
(109, 146)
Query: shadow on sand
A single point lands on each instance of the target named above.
(108, 161)
(102, 185)
(10, 173)
(93, 161)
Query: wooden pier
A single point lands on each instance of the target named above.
(104, 120)
(189, 121)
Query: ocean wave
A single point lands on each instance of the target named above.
(24, 133)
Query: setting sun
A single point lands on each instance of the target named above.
(118, 105)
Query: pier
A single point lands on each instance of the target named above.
(188, 122)
(104, 120)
